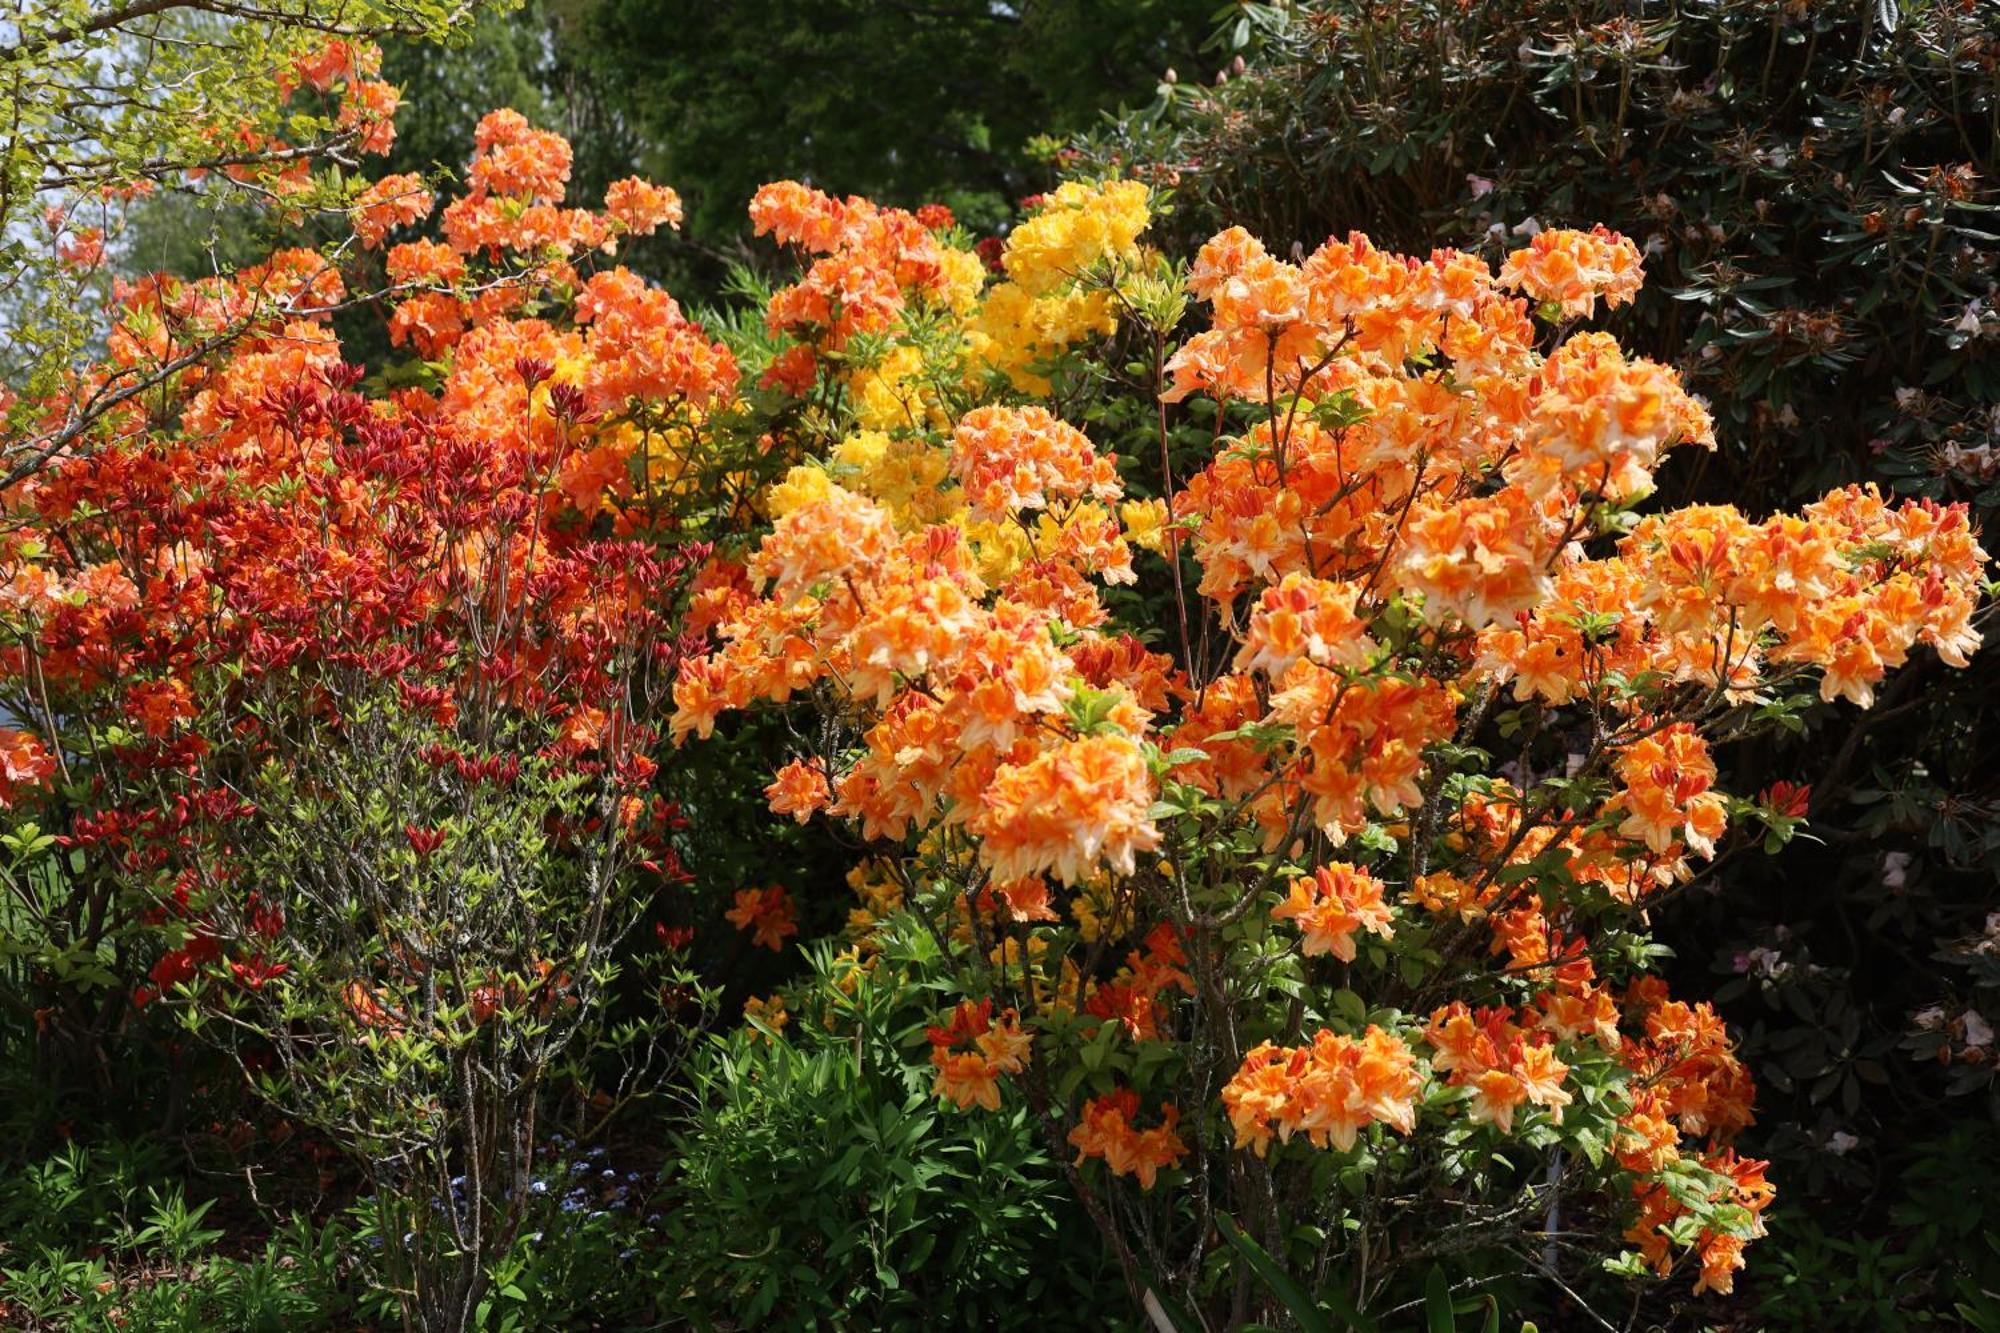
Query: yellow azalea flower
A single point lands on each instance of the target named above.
(1093, 907)
(1076, 227)
(802, 486)
(1012, 330)
(906, 474)
(964, 277)
(998, 549)
(770, 1012)
(1145, 524)
(890, 395)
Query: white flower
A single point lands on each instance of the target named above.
(1895, 870)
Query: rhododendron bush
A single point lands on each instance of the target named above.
(1290, 815)
(1269, 706)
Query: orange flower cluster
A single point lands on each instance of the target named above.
(512, 211)
(1849, 587)
(799, 790)
(1305, 618)
(1136, 997)
(1504, 1064)
(872, 262)
(641, 206)
(1011, 459)
(768, 913)
(1069, 810)
(1330, 905)
(24, 762)
(1668, 792)
(1720, 1253)
(1688, 1065)
(1573, 269)
(388, 203)
(1687, 1085)
(972, 1051)
(640, 348)
(1330, 1091)
(1107, 1131)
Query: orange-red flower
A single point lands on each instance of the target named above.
(768, 913)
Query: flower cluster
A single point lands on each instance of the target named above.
(972, 1051)
(1330, 905)
(1329, 1091)
(1106, 1130)
(768, 914)
(1573, 270)
(1504, 1065)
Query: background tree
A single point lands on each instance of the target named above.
(905, 103)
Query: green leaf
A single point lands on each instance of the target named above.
(1302, 1307)
(1437, 1302)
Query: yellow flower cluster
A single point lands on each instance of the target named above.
(903, 473)
(1044, 306)
(895, 394)
(1077, 227)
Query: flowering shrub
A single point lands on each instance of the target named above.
(345, 694)
(1810, 189)
(1338, 909)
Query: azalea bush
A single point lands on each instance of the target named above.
(346, 694)
(1312, 890)
(1810, 189)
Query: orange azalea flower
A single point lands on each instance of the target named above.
(1010, 459)
(1479, 559)
(768, 913)
(972, 1051)
(641, 206)
(1107, 1131)
(1071, 809)
(1572, 269)
(1503, 1063)
(799, 790)
(24, 762)
(1306, 618)
(388, 203)
(1330, 905)
(1330, 1090)
(1668, 796)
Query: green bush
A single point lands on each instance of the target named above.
(1940, 1269)
(819, 1181)
(92, 1239)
